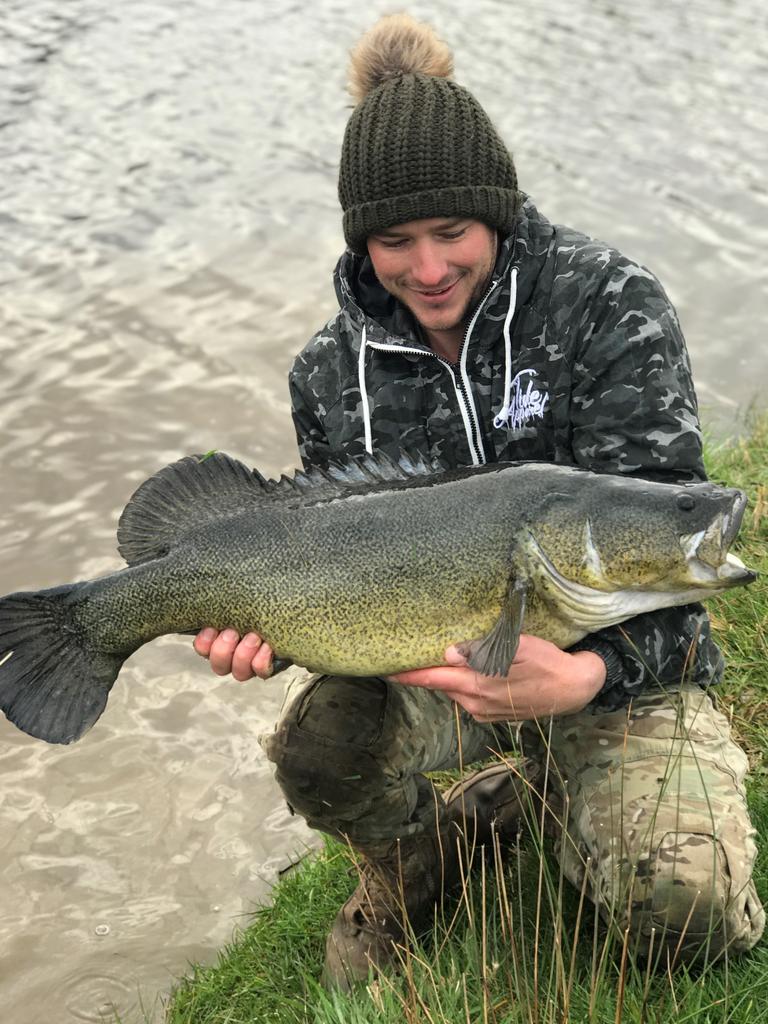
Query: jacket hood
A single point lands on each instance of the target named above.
(365, 301)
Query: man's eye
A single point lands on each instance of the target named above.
(451, 235)
(392, 243)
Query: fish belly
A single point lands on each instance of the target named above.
(377, 645)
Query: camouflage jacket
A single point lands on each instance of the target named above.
(574, 356)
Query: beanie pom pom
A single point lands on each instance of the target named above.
(396, 45)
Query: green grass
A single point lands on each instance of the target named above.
(518, 945)
(740, 617)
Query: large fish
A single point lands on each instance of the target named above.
(367, 568)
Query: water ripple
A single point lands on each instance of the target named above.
(169, 218)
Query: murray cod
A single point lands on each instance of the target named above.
(366, 568)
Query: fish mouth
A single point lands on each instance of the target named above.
(709, 561)
(588, 609)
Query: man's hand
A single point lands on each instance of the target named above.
(227, 653)
(542, 681)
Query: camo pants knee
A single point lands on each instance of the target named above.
(350, 753)
(656, 824)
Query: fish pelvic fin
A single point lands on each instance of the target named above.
(202, 488)
(51, 685)
(493, 655)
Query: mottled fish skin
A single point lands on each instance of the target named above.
(362, 572)
(382, 581)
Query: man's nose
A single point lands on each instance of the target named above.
(429, 268)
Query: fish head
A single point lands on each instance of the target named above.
(627, 534)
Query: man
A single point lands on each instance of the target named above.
(473, 329)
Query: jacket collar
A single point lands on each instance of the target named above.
(388, 322)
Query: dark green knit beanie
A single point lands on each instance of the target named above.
(417, 144)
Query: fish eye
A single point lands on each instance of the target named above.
(686, 502)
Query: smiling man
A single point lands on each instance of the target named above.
(474, 330)
(439, 268)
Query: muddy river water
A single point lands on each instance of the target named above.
(168, 227)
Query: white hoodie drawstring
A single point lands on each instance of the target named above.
(503, 416)
(364, 394)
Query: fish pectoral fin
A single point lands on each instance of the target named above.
(493, 655)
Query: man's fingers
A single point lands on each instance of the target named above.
(203, 640)
(459, 654)
(418, 677)
(227, 652)
(222, 651)
(460, 679)
(439, 676)
(243, 656)
(261, 662)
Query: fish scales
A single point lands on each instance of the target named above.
(370, 568)
(376, 582)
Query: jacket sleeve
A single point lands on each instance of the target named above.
(633, 411)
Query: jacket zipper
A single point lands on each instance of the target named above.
(460, 394)
(478, 452)
(461, 385)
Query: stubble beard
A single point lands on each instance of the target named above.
(476, 297)
(474, 300)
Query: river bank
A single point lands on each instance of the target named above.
(170, 224)
(518, 945)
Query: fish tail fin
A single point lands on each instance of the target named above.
(52, 685)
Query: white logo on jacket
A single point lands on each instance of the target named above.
(523, 403)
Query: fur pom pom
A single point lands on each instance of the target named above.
(396, 45)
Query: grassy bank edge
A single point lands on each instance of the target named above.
(463, 973)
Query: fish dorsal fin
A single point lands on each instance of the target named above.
(180, 498)
(343, 475)
(198, 489)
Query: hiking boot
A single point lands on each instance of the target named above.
(502, 800)
(400, 883)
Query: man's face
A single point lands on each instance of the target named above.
(439, 267)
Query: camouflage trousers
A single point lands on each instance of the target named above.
(654, 824)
